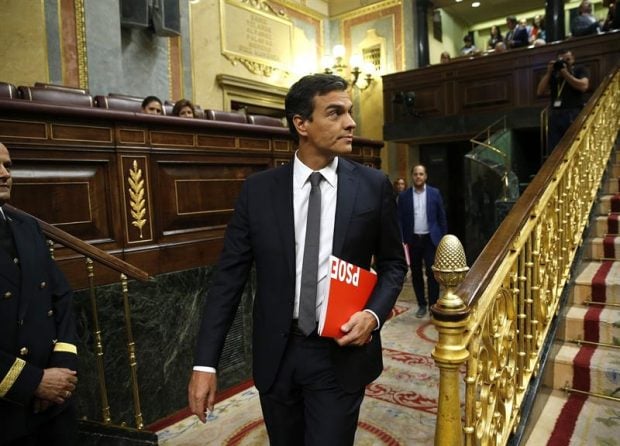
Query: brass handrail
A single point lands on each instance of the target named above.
(497, 319)
(81, 247)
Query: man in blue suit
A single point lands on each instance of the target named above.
(38, 354)
(423, 224)
(311, 388)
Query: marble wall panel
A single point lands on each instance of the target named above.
(165, 319)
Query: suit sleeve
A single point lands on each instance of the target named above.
(441, 214)
(65, 347)
(225, 293)
(64, 353)
(18, 379)
(390, 259)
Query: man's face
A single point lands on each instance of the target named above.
(5, 175)
(152, 108)
(330, 130)
(568, 58)
(418, 176)
(510, 24)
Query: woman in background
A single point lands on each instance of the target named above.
(495, 37)
(183, 108)
(152, 106)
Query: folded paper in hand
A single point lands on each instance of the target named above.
(348, 291)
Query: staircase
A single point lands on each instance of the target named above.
(579, 403)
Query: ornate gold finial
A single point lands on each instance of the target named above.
(450, 268)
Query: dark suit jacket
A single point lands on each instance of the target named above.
(262, 231)
(435, 214)
(36, 314)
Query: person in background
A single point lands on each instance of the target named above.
(567, 84)
(612, 20)
(38, 354)
(469, 49)
(494, 37)
(423, 223)
(585, 23)
(286, 224)
(538, 29)
(152, 105)
(400, 185)
(183, 108)
(500, 47)
(445, 57)
(516, 37)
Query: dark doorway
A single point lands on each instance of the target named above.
(444, 166)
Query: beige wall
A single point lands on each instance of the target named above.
(24, 45)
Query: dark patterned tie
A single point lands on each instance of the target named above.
(310, 266)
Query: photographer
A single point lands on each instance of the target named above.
(567, 85)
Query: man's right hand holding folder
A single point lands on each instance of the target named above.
(342, 315)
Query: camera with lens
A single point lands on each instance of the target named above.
(559, 64)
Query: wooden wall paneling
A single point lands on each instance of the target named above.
(80, 134)
(482, 93)
(258, 144)
(217, 141)
(198, 194)
(504, 83)
(130, 136)
(81, 168)
(172, 139)
(68, 191)
(14, 130)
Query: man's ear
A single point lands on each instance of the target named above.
(300, 125)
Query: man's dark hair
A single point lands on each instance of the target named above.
(147, 100)
(511, 19)
(300, 98)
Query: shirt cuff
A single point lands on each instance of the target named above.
(201, 368)
(376, 317)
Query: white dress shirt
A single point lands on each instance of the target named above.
(301, 197)
(420, 220)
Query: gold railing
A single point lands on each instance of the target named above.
(494, 319)
(94, 255)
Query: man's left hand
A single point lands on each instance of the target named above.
(358, 329)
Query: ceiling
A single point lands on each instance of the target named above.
(488, 10)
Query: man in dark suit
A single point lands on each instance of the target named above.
(423, 224)
(38, 356)
(311, 388)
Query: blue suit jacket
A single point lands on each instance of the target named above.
(435, 214)
(35, 313)
(262, 232)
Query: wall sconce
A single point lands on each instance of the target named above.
(335, 64)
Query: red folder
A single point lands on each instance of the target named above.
(348, 291)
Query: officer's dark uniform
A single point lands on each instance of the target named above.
(37, 331)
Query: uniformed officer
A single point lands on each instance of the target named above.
(38, 356)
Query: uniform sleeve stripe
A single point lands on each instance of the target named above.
(65, 347)
(12, 375)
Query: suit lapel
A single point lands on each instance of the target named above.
(282, 202)
(347, 194)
